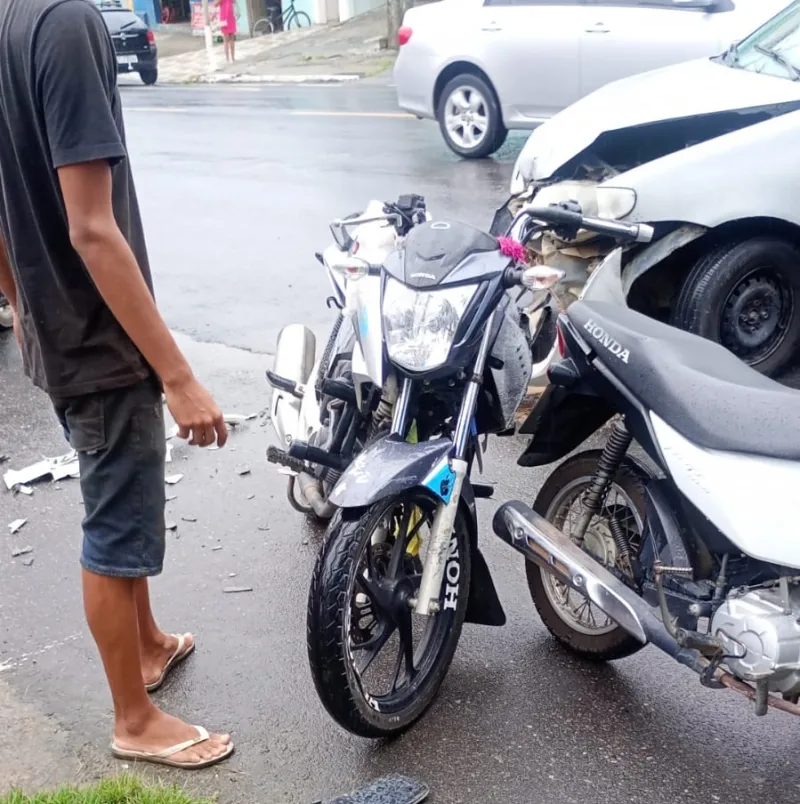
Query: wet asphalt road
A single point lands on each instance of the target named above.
(237, 187)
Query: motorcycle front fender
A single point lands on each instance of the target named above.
(390, 466)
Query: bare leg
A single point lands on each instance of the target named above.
(233, 47)
(226, 42)
(155, 646)
(111, 611)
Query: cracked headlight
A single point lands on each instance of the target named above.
(420, 325)
(596, 200)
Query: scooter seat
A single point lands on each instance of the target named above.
(695, 385)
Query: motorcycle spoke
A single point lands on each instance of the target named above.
(372, 647)
(405, 653)
(369, 589)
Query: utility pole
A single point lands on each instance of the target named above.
(395, 9)
(212, 59)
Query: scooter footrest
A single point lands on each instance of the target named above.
(482, 491)
(282, 458)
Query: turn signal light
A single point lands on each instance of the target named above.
(403, 35)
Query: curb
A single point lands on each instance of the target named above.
(247, 78)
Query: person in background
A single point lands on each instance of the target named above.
(74, 267)
(227, 26)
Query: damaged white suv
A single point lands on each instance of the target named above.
(707, 152)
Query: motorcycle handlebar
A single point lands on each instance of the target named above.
(561, 216)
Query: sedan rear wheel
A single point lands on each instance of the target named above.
(469, 117)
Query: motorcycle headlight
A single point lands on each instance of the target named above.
(420, 325)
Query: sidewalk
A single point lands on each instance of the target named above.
(324, 53)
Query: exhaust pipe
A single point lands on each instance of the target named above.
(544, 544)
(294, 360)
(309, 488)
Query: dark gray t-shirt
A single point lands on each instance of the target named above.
(59, 106)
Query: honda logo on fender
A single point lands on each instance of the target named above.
(605, 340)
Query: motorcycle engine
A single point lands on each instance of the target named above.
(762, 636)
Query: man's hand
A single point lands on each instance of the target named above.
(196, 413)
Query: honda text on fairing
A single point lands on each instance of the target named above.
(400, 570)
(326, 407)
(695, 552)
(705, 152)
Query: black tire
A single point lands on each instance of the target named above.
(616, 644)
(495, 134)
(329, 651)
(149, 77)
(751, 278)
(299, 20)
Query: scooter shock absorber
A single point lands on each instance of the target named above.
(607, 467)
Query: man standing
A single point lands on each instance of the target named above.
(74, 267)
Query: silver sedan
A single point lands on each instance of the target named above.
(482, 67)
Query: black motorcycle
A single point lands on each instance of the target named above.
(400, 569)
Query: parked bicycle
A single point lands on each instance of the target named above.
(281, 19)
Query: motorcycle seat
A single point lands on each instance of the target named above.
(695, 385)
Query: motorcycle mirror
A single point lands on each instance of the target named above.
(341, 236)
(541, 277)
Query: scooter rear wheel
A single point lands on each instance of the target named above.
(376, 665)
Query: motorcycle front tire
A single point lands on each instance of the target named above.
(330, 655)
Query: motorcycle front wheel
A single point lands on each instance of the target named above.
(377, 665)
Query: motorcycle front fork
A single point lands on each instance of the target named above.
(427, 602)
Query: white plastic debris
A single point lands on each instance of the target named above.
(171, 480)
(234, 419)
(27, 490)
(169, 454)
(173, 431)
(16, 552)
(233, 590)
(16, 525)
(58, 468)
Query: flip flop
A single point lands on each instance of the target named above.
(181, 652)
(164, 757)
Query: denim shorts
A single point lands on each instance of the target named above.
(121, 444)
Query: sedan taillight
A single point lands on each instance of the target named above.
(403, 35)
(151, 38)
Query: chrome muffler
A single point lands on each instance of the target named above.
(295, 353)
(544, 544)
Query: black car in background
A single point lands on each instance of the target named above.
(134, 42)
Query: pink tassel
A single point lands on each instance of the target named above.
(511, 248)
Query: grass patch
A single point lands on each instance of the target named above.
(120, 790)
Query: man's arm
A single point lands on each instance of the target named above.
(8, 286)
(94, 234)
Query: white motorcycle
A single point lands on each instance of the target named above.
(326, 408)
(695, 552)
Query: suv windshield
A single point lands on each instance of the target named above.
(774, 49)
